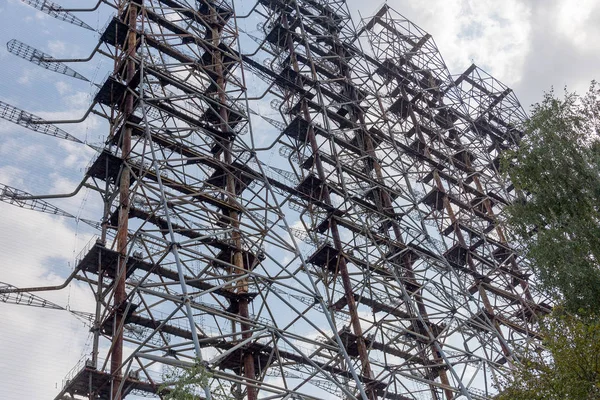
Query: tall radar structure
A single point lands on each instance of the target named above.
(295, 205)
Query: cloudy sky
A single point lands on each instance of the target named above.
(530, 45)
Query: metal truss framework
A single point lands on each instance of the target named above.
(386, 169)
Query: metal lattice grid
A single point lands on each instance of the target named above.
(332, 230)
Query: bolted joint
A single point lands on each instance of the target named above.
(174, 245)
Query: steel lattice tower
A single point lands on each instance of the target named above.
(320, 217)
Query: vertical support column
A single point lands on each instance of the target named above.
(123, 226)
(99, 292)
(503, 240)
(342, 267)
(407, 264)
(437, 356)
(387, 206)
(461, 239)
(216, 32)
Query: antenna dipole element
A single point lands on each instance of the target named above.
(42, 59)
(19, 198)
(16, 197)
(13, 295)
(33, 122)
(56, 11)
(7, 295)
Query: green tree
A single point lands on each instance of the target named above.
(556, 168)
(189, 383)
(184, 384)
(557, 165)
(569, 368)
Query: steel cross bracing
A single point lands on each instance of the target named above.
(373, 155)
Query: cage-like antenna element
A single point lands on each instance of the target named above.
(56, 11)
(33, 122)
(13, 295)
(22, 199)
(8, 294)
(42, 59)
(14, 196)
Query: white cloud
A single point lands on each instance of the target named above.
(78, 100)
(57, 48)
(490, 33)
(79, 156)
(26, 77)
(570, 20)
(63, 87)
(528, 45)
(22, 152)
(35, 250)
(39, 249)
(11, 175)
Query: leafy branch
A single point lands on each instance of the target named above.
(189, 383)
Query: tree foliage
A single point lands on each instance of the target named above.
(189, 383)
(557, 167)
(569, 368)
(185, 384)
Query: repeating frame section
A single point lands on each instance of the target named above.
(360, 254)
